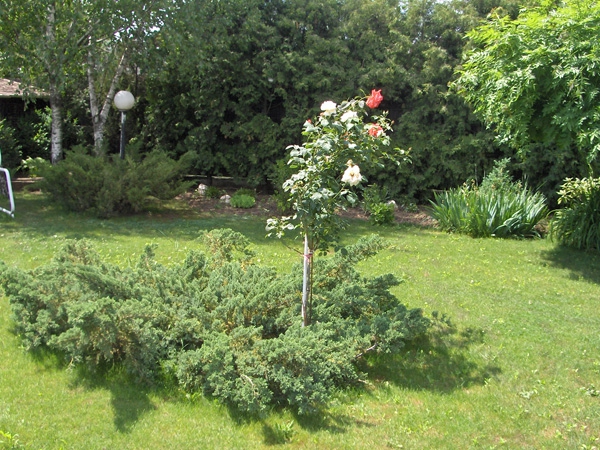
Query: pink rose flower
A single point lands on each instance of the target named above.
(375, 130)
(375, 99)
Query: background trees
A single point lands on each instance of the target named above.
(535, 80)
(39, 42)
(233, 81)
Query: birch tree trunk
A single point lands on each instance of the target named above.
(100, 113)
(55, 95)
(56, 133)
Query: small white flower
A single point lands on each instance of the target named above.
(328, 107)
(352, 175)
(349, 115)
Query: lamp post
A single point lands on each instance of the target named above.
(124, 101)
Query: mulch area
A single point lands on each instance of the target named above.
(267, 207)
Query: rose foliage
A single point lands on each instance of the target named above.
(327, 164)
(216, 323)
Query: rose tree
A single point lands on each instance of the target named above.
(327, 168)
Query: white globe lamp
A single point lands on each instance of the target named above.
(124, 101)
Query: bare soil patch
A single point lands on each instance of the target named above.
(266, 206)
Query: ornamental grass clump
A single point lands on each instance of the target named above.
(499, 207)
(216, 323)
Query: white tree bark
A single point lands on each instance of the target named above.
(100, 113)
(55, 97)
(56, 133)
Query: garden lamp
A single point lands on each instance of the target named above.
(123, 101)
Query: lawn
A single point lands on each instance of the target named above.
(515, 365)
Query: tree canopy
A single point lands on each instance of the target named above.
(535, 79)
(55, 44)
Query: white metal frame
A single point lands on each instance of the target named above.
(9, 191)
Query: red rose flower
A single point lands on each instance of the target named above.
(375, 99)
(375, 130)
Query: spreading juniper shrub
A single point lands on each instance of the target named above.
(216, 323)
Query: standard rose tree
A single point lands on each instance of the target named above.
(327, 171)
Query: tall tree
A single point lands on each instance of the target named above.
(238, 88)
(536, 79)
(40, 40)
(122, 32)
(50, 49)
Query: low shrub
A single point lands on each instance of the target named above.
(375, 204)
(382, 214)
(245, 191)
(242, 201)
(577, 223)
(213, 192)
(498, 207)
(113, 186)
(216, 323)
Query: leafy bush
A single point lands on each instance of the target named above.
(381, 214)
(372, 195)
(374, 204)
(112, 186)
(281, 172)
(242, 201)
(499, 207)
(10, 148)
(34, 166)
(245, 191)
(577, 224)
(213, 192)
(216, 323)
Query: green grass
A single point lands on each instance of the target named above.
(519, 368)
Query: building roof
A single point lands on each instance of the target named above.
(12, 89)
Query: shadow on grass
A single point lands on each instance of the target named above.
(37, 215)
(579, 263)
(278, 431)
(282, 432)
(129, 400)
(439, 362)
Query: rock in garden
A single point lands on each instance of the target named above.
(202, 189)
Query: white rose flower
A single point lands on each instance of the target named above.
(352, 175)
(349, 115)
(328, 107)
